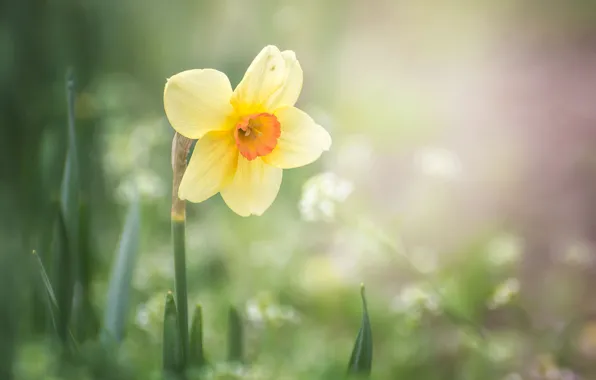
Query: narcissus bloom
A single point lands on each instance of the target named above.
(246, 137)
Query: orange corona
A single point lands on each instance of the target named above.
(256, 135)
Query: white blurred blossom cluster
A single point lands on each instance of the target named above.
(156, 267)
(321, 194)
(578, 253)
(504, 293)
(263, 310)
(128, 159)
(556, 374)
(505, 249)
(502, 348)
(546, 368)
(438, 163)
(149, 316)
(232, 371)
(415, 299)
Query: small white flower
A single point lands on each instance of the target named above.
(142, 317)
(505, 249)
(254, 312)
(504, 293)
(414, 299)
(229, 371)
(262, 309)
(321, 194)
(438, 162)
(578, 253)
(149, 316)
(146, 183)
(157, 267)
(500, 350)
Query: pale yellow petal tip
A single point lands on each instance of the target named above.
(183, 196)
(289, 54)
(328, 143)
(266, 52)
(250, 213)
(324, 139)
(246, 213)
(258, 213)
(270, 49)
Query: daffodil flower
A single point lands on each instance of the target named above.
(246, 137)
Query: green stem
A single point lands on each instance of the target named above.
(178, 239)
(180, 148)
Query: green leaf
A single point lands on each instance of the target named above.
(69, 196)
(235, 336)
(171, 337)
(65, 280)
(361, 359)
(121, 276)
(65, 243)
(196, 352)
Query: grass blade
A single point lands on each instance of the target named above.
(49, 290)
(235, 336)
(361, 359)
(171, 337)
(52, 301)
(121, 276)
(65, 280)
(196, 356)
(69, 196)
(46, 280)
(70, 179)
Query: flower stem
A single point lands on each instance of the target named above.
(180, 148)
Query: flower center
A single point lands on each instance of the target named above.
(256, 135)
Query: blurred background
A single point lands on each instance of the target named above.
(460, 187)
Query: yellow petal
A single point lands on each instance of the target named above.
(302, 141)
(264, 76)
(288, 93)
(211, 167)
(198, 101)
(254, 187)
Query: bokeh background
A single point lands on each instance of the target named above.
(460, 187)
